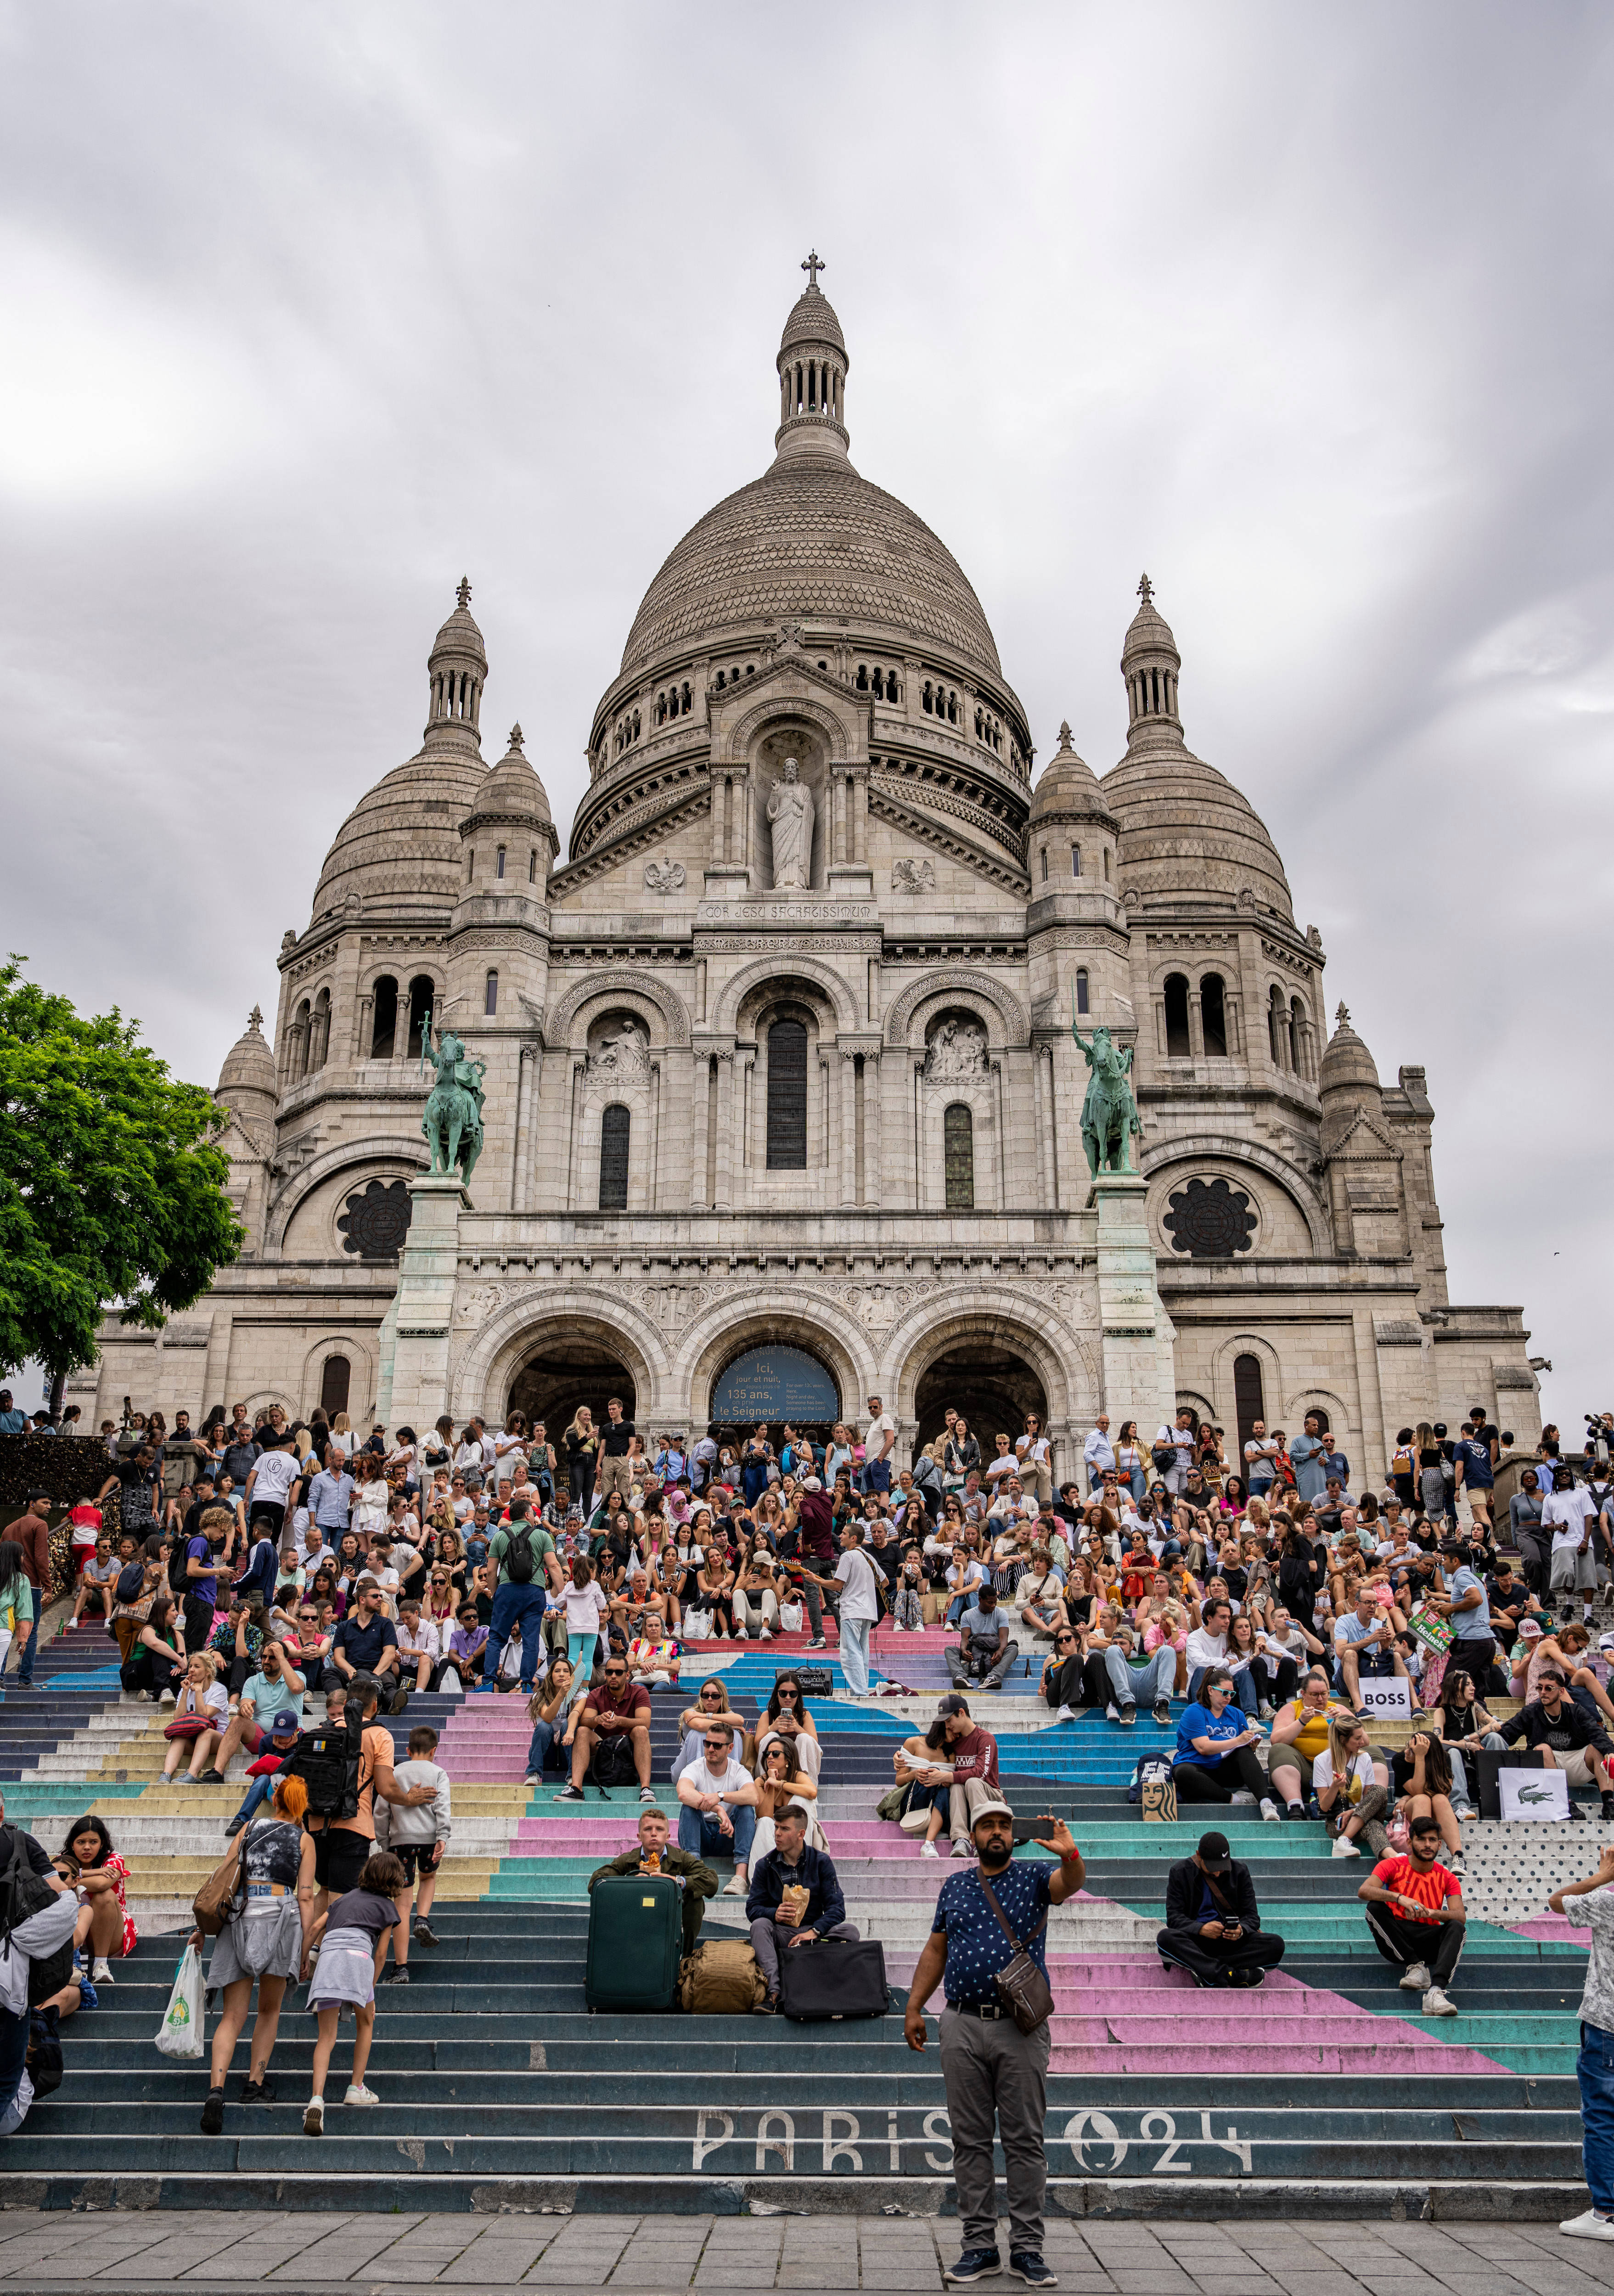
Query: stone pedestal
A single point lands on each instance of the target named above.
(421, 1312)
(1139, 1370)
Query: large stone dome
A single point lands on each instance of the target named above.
(811, 540)
(400, 845)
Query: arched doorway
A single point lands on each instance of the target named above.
(988, 1386)
(551, 1384)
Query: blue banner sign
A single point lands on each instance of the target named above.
(774, 1385)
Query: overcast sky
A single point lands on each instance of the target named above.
(313, 308)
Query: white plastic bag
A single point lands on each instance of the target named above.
(697, 1626)
(179, 2035)
(790, 1617)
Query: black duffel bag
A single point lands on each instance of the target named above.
(834, 1977)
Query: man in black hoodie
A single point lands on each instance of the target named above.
(1213, 1928)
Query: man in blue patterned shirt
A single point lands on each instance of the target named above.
(995, 2074)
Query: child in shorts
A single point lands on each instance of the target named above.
(418, 1838)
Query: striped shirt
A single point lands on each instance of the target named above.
(1430, 1887)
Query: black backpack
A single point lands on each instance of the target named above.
(130, 1580)
(328, 1762)
(613, 1761)
(22, 1894)
(520, 1561)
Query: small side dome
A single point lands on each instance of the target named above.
(247, 1085)
(512, 792)
(1347, 1065)
(1068, 788)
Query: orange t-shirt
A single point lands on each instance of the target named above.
(1430, 1887)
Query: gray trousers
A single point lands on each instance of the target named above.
(960, 1671)
(995, 2073)
(764, 1945)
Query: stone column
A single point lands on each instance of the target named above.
(424, 1303)
(1139, 1377)
(848, 1085)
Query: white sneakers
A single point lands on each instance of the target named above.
(1066, 1714)
(1417, 1979)
(1436, 2004)
(766, 1636)
(1344, 1849)
(1269, 1810)
(963, 1848)
(1244, 1800)
(1589, 2227)
(929, 1849)
(313, 2118)
(102, 1972)
(734, 1887)
(358, 2094)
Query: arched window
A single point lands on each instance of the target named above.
(302, 1028)
(320, 1035)
(958, 1152)
(1277, 1027)
(787, 1082)
(1045, 865)
(490, 1002)
(1213, 1014)
(470, 865)
(1177, 1045)
(532, 866)
(423, 999)
(614, 1126)
(1297, 1035)
(1076, 860)
(335, 1381)
(383, 1025)
(1248, 1397)
(1081, 988)
(498, 861)
(1106, 865)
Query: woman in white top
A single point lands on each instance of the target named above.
(341, 1440)
(201, 1716)
(1351, 1788)
(1031, 1450)
(1130, 1462)
(372, 1502)
(837, 1457)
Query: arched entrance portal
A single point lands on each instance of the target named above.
(987, 1386)
(550, 1386)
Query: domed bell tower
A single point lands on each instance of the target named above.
(813, 364)
(457, 667)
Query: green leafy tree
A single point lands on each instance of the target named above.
(111, 1181)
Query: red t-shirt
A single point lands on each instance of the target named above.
(974, 1756)
(631, 1701)
(1431, 1888)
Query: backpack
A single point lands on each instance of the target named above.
(520, 1561)
(328, 1762)
(613, 1761)
(22, 1894)
(130, 1580)
(721, 1979)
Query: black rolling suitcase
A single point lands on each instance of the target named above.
(836, 1977)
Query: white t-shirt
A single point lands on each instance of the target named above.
(856, 1573)
(1182, 1437)
(1033, 1449)
(272, 1478)
(708, 1782)
(1567, 1513)
(1360, 1781)
(1007, 1465)
(874, 1441)
(1259, 1453)
(1207, 1649)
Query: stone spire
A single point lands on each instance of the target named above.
(457, 667)
(812, 365)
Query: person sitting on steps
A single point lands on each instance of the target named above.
(658, 1853)
(985, 1654)
(1416, 1915)
(616, 1708)
(717, 1812)
(1213, 1925)
(792, 1864)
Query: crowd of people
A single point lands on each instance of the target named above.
(249, 1565)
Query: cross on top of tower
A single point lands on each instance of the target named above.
(1145, 589)
(462, 594)
(814, 265)
(255, 1018)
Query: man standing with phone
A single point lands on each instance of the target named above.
(996, 2074)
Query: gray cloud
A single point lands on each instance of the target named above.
(313, 310)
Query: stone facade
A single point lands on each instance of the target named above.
(842, 1110)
